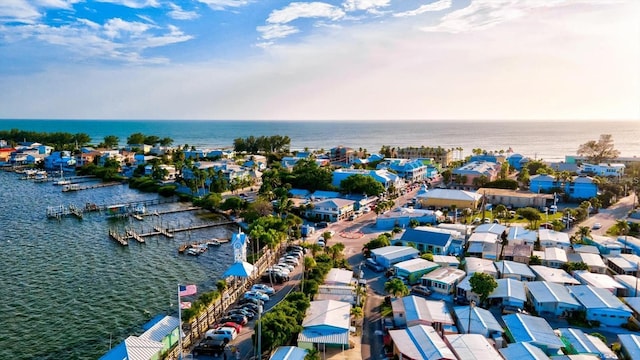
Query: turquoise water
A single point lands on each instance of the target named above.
(548, 140)
(69, 291)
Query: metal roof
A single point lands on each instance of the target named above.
(523, 351)
(415, 265)
(631, 343)
(394, 252)
(532, 329)
(472, 346)
(495, 229)
(520, 233)
(548, 292)
(546, 235)
(509, 288)
(555, 254)
(450, 194)
(581, 343)
(601, 281)
(427, 235)
(421, 342)
(512, 267)
(594, 298)
(161, 329)
(338, 276)
(320, 337)
(289, 353)
(482, 320)
(141, 349)
(558, 276)
(328, 314)
(417, 308)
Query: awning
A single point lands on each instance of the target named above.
(316, 337)
(240, 269)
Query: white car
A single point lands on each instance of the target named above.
(263, 288)
(256, 295)
(281, 269)
(597, 226)
(223, 333)
(286, 266)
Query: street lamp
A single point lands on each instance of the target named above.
(472, 304)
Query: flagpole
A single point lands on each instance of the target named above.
(179, 326)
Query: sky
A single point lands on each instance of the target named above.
(320, 60)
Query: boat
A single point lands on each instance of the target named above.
(214, 242)
(192, 251)
(70, 187)
(62, 181)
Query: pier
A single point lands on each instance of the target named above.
(72, 179)
(201, 226)
(78, 187)
(163, 231)
(134, 235)
(122, 240)
(58, 212)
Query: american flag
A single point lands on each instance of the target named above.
(186, 290)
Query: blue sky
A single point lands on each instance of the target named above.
(350, 59)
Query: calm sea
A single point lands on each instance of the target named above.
(68, 291)
(547, 140)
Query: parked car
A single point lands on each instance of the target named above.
(232, 324)
(280, 267)
(421, 290)
(250, 300)
(373, 265)
(508, 309)
(295, 247)
(235, 318)
(275, 276)
(322, 225)
(223, 333)
(256, 295)
(252, 307)
(264, 289)
(213, 347)
(597, 226)
(242, 311)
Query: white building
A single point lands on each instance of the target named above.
(326, 323)
(601, 305)
(602, 281)
(558, 276)
(551, 298)
(509, 292)
(472, 347)
(475, 265)
(420, 342)
(480, 322)
(552, 238)
(414, 310)
(443, 280)
(593, 261)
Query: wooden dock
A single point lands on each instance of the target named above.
(78, 187)
(122, 240)
(134, 235)
(167, 233)
(201, 226)
(58, 212)
(175, 211)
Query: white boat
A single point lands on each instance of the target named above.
(192, 251)
(214, 242)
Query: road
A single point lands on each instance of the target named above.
(607, 217)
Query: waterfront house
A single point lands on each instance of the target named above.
(429, 239)
(519, 235)
(331, 210)
(390, 255)
(134, 347)
(401, 217)
(517, 161)
(414, 269)
(473, 171)
(5, 155)
(601, 305)
(476, 320)
(593, 261)
(162, 329)
(60, 160)
(601, 281)
(420, 342)
(514, 270)
(509, 292)
(552, 238)
(445, 198)
(472, 347)
(558, 276)
(580, 343)
(414, 310)
(443, 280)
(289, 353)
(326, 324)
(516, 198)
(629, 346)
(523, 351)
(533, 330)
(606, 170)
(551, 298)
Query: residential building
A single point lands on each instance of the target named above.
(337, 276)
(630, 282)
(607, 170)
(558, 276)
(162, 329)
(494, 229)
(474, 265)
(409, 170)
(429, 239)
(413, 310)
(342, 155)
(401, 217)
(554, 257)
(446, 198)
(472, 347)
(464, 290)
(630, 346)
(523, 351)
(517, 161)
(601, 305)
(326, 324)
(534, 330)
(344, 293)
(551, 298)
(578, 188)
(605, 245)
(420, 342)
(414, 269)
(514, 270)
(446, 261)
(624, 264)
(331, 210)
(509, 292)
(390, 255)
(593, 261)
(552, 238)
(470, 173)
(384, 177)
(289, 353)
(516, 198)
(602, 281)
(517, 252)
(441, 156)
(581, 343)
(443, 280)
(519, 235)
(476, 320)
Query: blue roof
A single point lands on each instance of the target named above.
(631, 343)
(580, 342)
(156, 319)
(289, 353)
(426, 236)
(523, 351)
(117, 353)
(532, 329)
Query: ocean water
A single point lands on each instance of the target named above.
(547, 140)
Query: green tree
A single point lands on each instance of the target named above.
(599, 151)
(166, 141)
(483, 284)
(361, 184)
(523, 177)
(396, 288)
(234, 203)
(110, 142)
(572, 266)
(427, 256)
(136, 139)
(530, 214)
(535, 260)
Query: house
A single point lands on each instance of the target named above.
(630, 282)
(578, 188)
(601, 305)
(624, 264)
(514, 270)
(520, 236)
(342, 155)
(606, 245)
(517, 161)
(339, 277)
(330, 210)
(445, 198)
(581, 343)
(516, 198)
(581, 248)
(344, 293)
(471, 172)
(558, 276)
(477, 241)
(429, 239)
(384, 177)
(446, 260)
(443, 280)
(593, 261)
(533, 330)
(414, 269)
(401, 217)
(289, 353)
(410, 170)
(630, 243)
(630, 346)
(523, 351)
(494, 229)
(509, 292)
(472, 347)
(607, 170)
(551, 298)
(481, 322)
(554, 257)
(463, 290)
(413, 310)
(474, 265)
(390, 255)
(134, 347)
(602, 281)
(5, 154)
(326, 324)
(484, 250)
(517, 252)
(552, 238)
(420, 342)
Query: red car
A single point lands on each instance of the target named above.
(236, 326)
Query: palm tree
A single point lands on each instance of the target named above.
(623, 229)
(584, 231)
(396, 288)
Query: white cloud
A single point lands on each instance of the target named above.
(57, 4)
(134, 4)
(116, 28)
(178, 13)
(18, 11)
(297, 10)
(89, 23)
(224, 4)
(276, 31)
(435, 6)
(366, 5)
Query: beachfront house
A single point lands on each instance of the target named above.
(387, 256)
(601, 305)
(326, 325)
(420, 342)
(534, 330)
(443, 280)
(517, 161)
(551, 298)
(606, 170)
